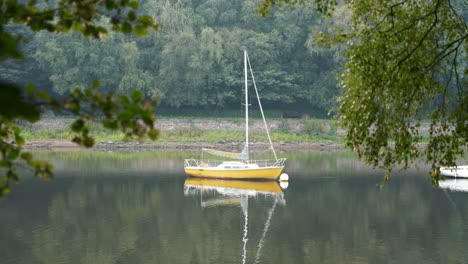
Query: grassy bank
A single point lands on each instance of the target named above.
(310, 130)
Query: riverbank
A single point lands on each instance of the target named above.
(194, 134)
(195, 146)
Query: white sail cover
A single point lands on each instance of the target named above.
(244, 155)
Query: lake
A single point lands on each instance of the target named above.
(141, 208)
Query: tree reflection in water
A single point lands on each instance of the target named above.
(118, 210)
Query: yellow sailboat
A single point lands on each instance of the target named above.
(239, 167)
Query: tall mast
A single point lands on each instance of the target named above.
(246, 104)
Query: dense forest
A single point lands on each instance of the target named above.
(195, 60)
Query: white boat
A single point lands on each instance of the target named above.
(456, 171)
(240, 166)
(457, 185)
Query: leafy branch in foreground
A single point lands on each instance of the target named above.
(132, 115)
(405, 61)
(66, 15)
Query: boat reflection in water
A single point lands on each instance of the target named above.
(458, 185)
(237, 193)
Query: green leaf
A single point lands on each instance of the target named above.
(19, 140)
(88, 142)
(30, 90)
(77, 140)
(131, 16)
(13, 105)
(141, 31)
(123, 100)
(133, 4)
(77, 26)
(153, 134)
(4, 190)
(12, 175)
(3, 180)
(137, 96)
(13, 154)
(88, 92)
(43, 95)
(125, 118)
(27, 156)
(110, 124)
(78, 125)
(145, 20)
(126, 28)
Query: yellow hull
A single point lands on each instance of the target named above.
(215, 173)
(258, 186)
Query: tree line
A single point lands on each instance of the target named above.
(195, 60)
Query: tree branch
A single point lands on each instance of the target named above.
(441, 55)
(462, 23)
(459, 85)
(423, 38)
(389, 14)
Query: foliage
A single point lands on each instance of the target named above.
(65, 15)
(194, 61)
(73, 61)
(405, 61)
(132, 114)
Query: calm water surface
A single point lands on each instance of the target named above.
(140, 208)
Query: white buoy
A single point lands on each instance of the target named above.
(284, 184)
(284, 177)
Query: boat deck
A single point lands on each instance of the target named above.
(253, 169)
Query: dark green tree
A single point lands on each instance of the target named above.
(405, 61)
(134, 115)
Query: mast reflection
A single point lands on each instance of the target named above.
(237, 193)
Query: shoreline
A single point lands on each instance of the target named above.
(189, 146)
(195, 134)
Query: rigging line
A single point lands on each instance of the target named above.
(261, 108)
(265, 230)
